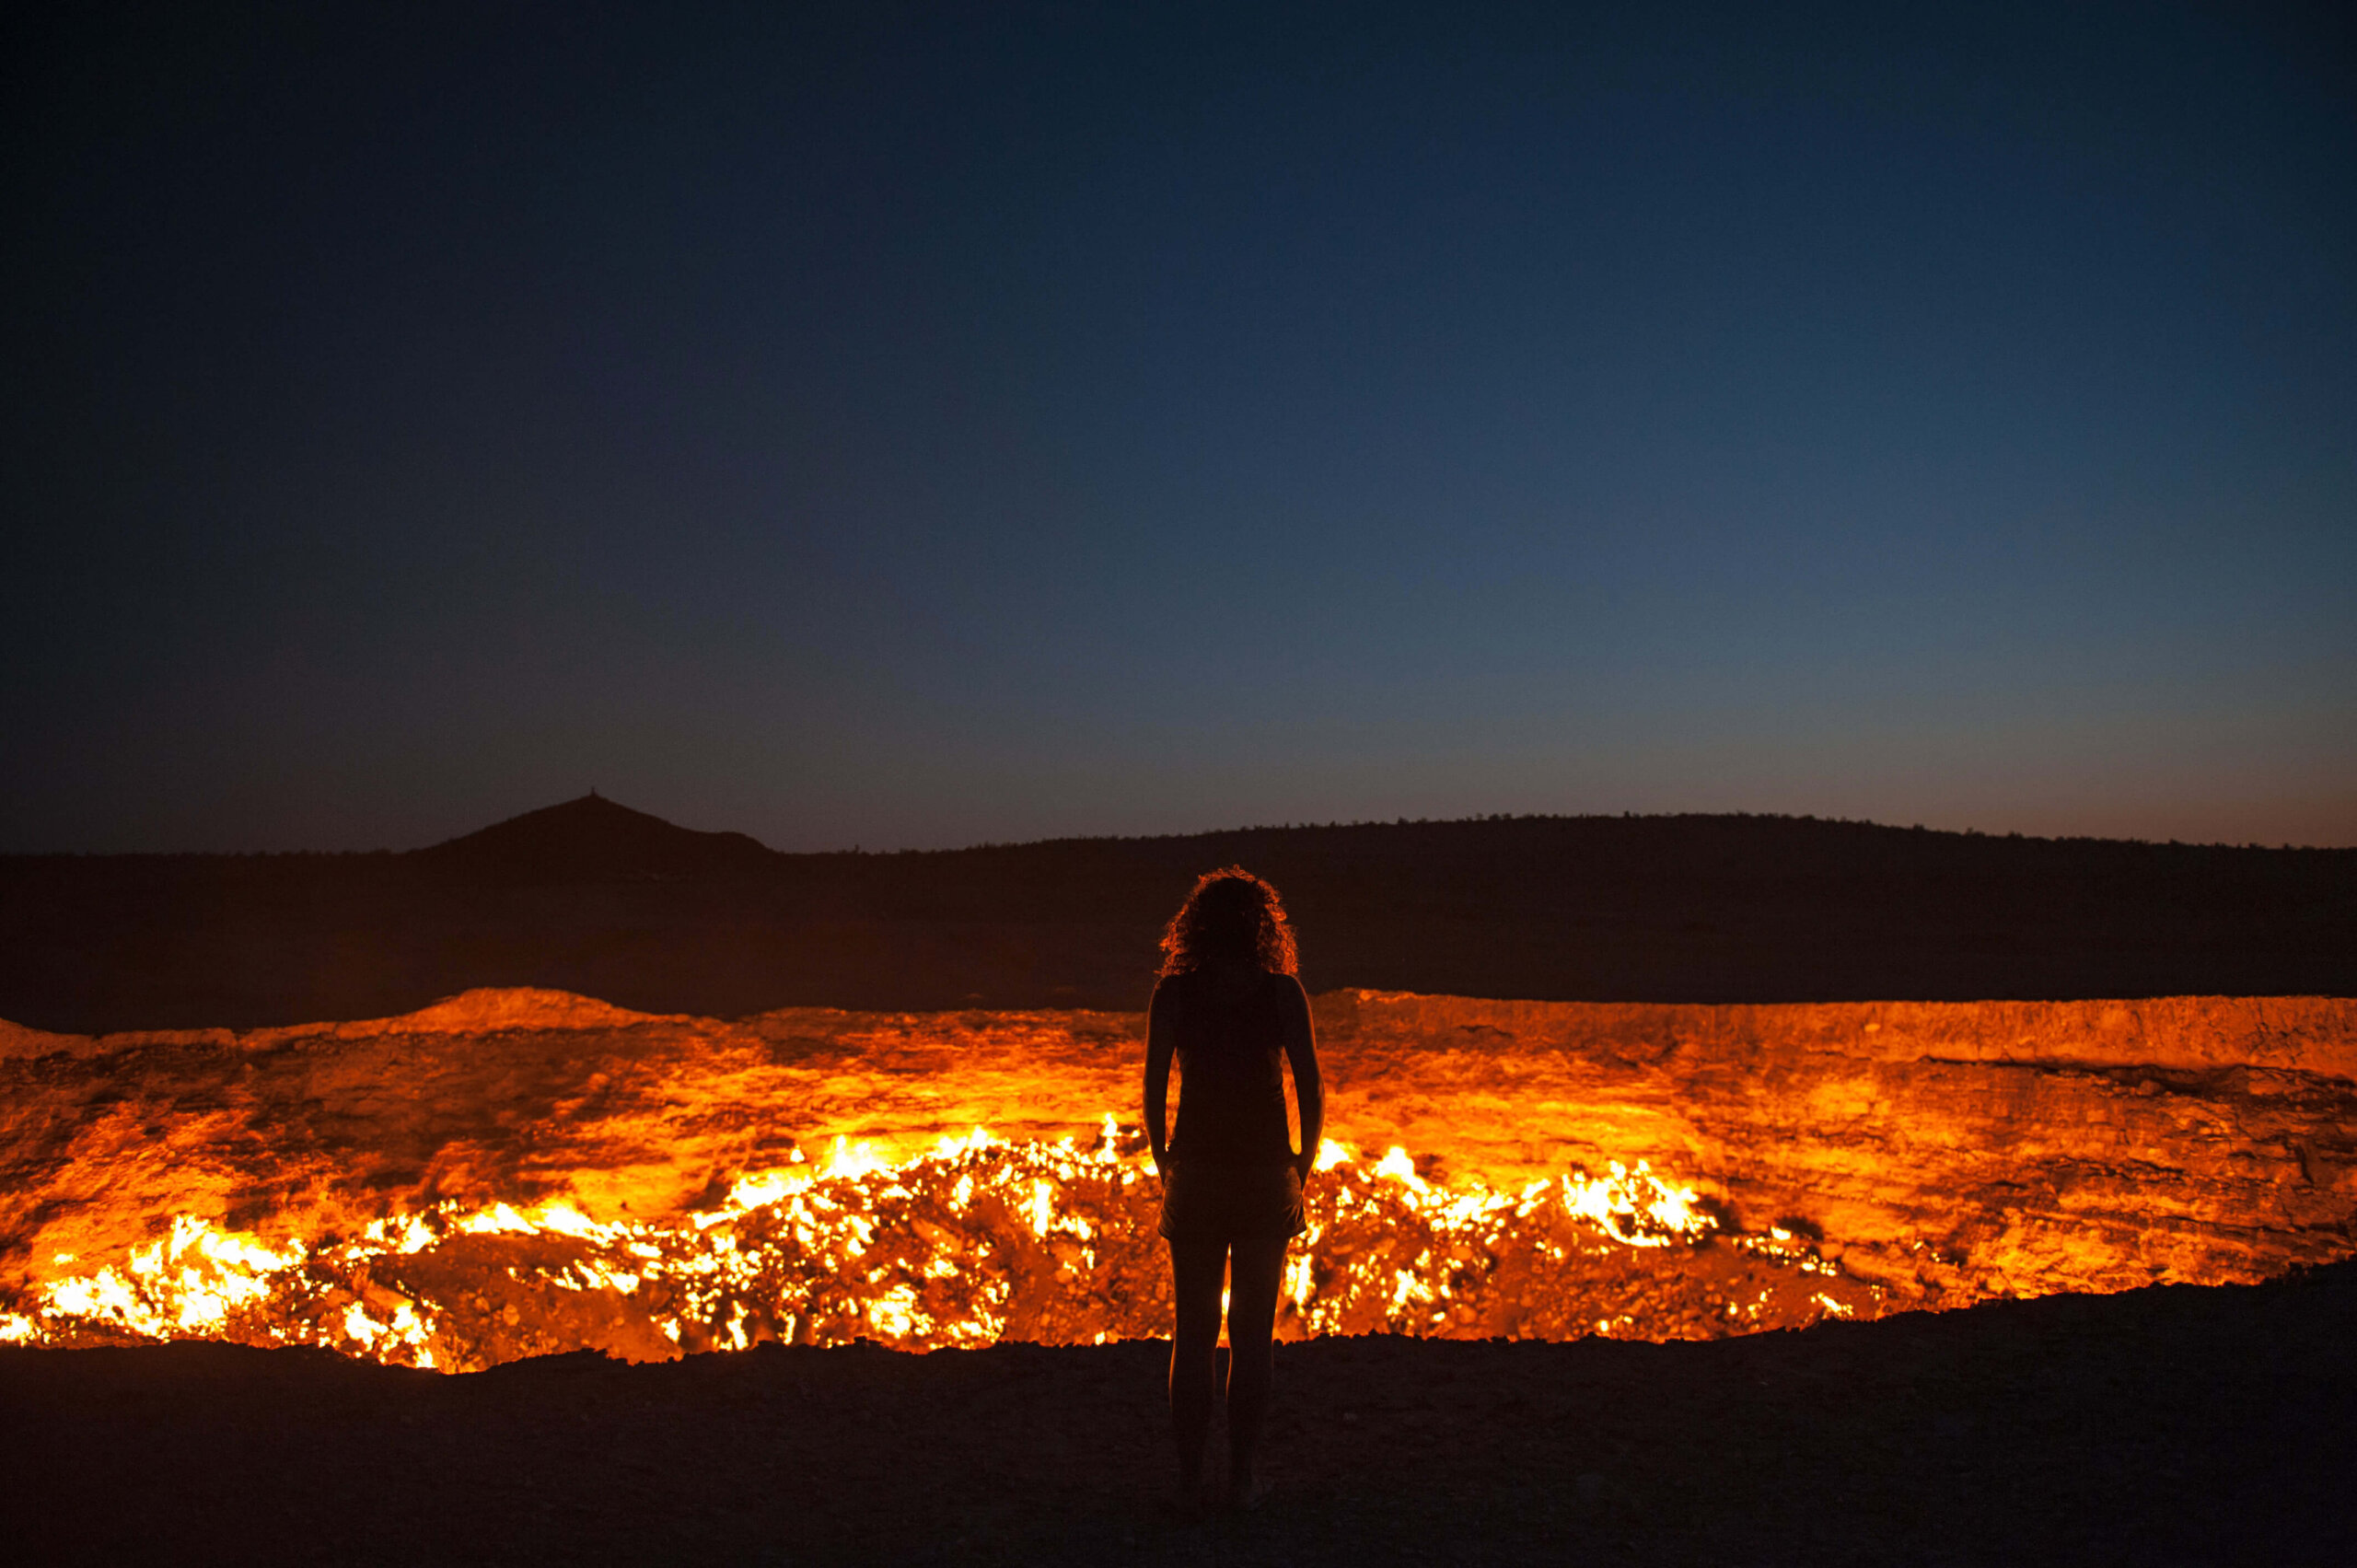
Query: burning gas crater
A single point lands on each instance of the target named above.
(973, 1241)
(515, 1173)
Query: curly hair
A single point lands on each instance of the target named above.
(1231, 913)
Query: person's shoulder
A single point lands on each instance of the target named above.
(1283, 987)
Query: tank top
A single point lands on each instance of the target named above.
(1229, 1039)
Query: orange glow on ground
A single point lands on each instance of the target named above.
(513, 1174)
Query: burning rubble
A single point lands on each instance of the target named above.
(515, 1174)
(971, 1242)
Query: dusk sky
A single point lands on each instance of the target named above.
(913, 426)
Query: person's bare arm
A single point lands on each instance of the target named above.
(1308, 1089)
(1158, 1076)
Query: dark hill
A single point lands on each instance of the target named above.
(595, 898)
(593, 838)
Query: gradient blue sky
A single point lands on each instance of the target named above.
(912, 426)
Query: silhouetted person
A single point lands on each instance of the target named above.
(1228, 1008)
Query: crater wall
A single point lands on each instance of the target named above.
(1947, 1150)
(1944, 1152)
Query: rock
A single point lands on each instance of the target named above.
(1938, 1154)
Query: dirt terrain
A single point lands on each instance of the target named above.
(2176, 1424)
(1911, 1153)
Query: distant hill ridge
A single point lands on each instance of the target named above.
(592, 897)
(591, 831)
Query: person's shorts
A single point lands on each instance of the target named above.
(1204, 1202)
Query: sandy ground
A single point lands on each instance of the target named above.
(2178, 1424)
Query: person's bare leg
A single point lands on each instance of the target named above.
(1259, 1271)
(1196, 1271)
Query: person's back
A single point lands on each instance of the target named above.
(1228, 1034)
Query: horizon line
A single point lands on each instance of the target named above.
(1335, 825)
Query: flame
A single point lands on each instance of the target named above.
(1637, 1208)
(183, 1285)
(973, 1240)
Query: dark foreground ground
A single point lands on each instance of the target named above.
(2170, 1426)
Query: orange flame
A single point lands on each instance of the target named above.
(975, 1240)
